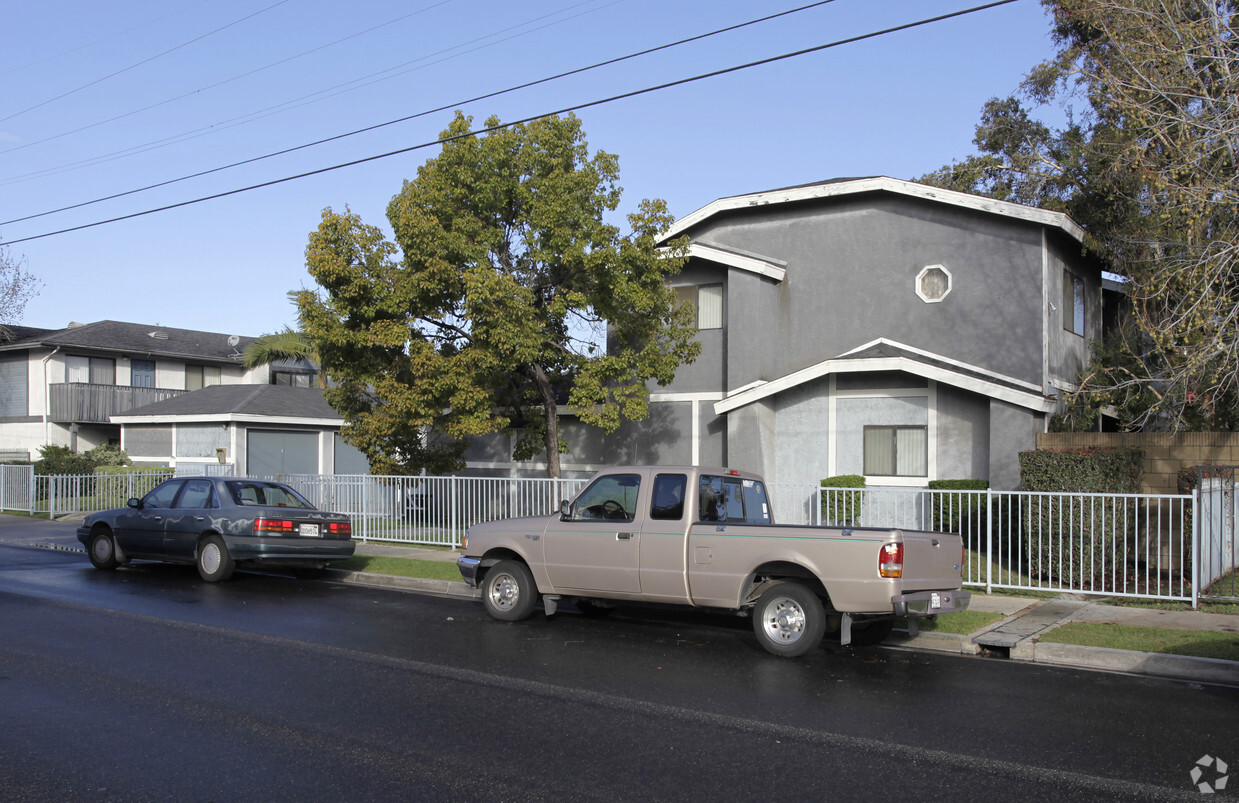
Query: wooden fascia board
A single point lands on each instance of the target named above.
(1020, 398)
(964, 200)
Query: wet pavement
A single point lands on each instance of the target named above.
(1016, 636)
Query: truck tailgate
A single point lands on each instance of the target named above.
(931, 561)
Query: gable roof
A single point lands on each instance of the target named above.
(851, 186)
(888, 355)
(219, 403)
(133, 339)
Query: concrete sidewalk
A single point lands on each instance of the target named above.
(1016, 635)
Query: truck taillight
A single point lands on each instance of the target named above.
(890, 560)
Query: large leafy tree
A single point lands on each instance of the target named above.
(1148, 164)
(485, 314)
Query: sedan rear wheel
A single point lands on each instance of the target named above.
(103, 550)
(215, 565)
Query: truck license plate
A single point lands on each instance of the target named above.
(935, 600)
(309, 530)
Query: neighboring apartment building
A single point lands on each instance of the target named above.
(865, 326)
(88, 384)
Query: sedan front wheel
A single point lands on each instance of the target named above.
(103, 550)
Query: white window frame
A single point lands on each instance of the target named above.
(920, 278)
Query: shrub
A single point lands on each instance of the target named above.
(108, 455)
(1073, 538)
(62, 460)
(953, 510)
(843, 507)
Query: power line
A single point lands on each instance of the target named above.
(492, 129)
(445, 107)
(217, 84)
(101, 40)
(143, 61)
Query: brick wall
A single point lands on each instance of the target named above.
(1164, 452)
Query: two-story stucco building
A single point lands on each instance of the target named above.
(168, 397)
(866, 326)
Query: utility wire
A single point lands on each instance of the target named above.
(217, 84)
(456, 104)
(143, 61)
(492, 129)
(101, 40)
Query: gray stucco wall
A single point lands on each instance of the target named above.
(851, 271)
(1013, 430)
(963, 448)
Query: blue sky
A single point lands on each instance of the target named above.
(105, 98)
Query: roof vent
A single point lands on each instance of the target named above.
(158, 335)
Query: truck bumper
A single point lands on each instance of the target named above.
(469, 569)
(930, 603)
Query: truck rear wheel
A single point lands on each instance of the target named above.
(508, 592)
(789, 620)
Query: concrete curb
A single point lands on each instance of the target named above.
(421, 585)
(1177, 667)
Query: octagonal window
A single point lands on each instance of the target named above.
(933, 283)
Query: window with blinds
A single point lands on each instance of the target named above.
(896, 451)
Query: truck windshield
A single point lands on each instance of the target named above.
(611, 497)
(733, 499)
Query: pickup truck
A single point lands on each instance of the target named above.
(706, 537)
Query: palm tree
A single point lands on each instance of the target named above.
(286, 344)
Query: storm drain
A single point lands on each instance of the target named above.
(1041, 618)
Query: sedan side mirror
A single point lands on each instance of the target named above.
(565, 510)
(134, 502)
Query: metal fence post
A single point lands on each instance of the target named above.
(1196, 540)
(989, 540)
(455, 529)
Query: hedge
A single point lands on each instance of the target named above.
(843, 508)
(1070, 538)
(952, 510)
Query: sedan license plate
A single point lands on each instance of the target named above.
(935, 599)
(309, 530)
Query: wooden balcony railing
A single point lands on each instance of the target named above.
(80, 402)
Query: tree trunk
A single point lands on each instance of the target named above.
(551, 409)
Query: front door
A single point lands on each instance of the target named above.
(139, 531)
(596, 546)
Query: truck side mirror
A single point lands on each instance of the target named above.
(565, 510)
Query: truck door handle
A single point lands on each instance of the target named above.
(623, 536)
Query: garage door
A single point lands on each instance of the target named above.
(270, 453)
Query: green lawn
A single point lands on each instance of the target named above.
(1198, 643)
(400, 567)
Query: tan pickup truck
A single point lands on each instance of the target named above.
(706, 537)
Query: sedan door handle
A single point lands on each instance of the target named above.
(623, 536)
(199, 518)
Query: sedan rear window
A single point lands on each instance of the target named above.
(265, 494)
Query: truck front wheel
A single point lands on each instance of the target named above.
(508, 592)
(789, 620)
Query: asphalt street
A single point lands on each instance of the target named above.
(147, 683)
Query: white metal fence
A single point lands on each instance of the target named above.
(1134, 545)
(429, 510)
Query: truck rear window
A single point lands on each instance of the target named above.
(733, 499)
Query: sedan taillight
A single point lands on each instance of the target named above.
(273, 526)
